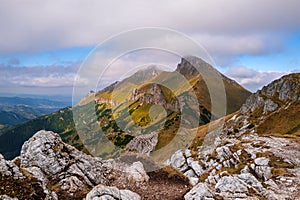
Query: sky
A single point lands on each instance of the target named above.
(44, 43)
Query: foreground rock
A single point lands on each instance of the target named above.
(103, 192)
(63, 171)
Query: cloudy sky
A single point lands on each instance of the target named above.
(43, 43)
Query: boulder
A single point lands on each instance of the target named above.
(5, 197)
(200, 192)
(223, 153)
(178, 161)
(262, 168)
(101, 192)
(231, 184)
(46, 157)
(55, 159)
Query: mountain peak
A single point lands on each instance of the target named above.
(190, 64)
(281, 92)
(146, 73)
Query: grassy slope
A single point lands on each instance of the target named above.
(59, 122)
(285, 123)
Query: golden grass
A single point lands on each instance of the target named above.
(285, 123)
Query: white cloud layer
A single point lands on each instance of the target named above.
(252, 79)
(52, 79)
(225, 28)
(228, 27)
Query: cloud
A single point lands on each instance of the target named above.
(33, 25)
(252, 79)
(42, 79)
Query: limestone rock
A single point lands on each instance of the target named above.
(199, 192)
(178, 161)
(136, 173)
(269, 106)
(46, 158)
(9, 168)
(46, 151)
(143, 144)
(262, 168)
(223, 153)
(101, 192)
(5, 197)
(251, 180)
(231, 184)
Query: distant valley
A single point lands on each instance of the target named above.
(16, 110)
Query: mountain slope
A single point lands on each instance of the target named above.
(12, 138)
(254, 154)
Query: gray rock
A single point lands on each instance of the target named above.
(196, 168)
(251, 181)
(199, 192)
(253, 102)
(71, 184)
(143, 144)
(9, 168)
(101, 192)
(193, 180)
(262, 169)
(5, 197)
(223, 153)
(136, 172)
(245, 169)
(231, 184)
(269, 106)
(187, 153)
(262, 161)
(178, 161)
(190, 173)
(46, 156)
(46, 151)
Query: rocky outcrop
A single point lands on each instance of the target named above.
(243, 164)
(231, 171)
(9, 168)
(201, 192)
(46, 152)
(285, 90)
(104, 192)
(155, 95)
(143, 144)
(184, 162)
(231, 184)
(60, 169)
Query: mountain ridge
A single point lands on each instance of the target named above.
(139, 106)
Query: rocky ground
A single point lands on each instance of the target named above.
(50, 169)
(245, 162)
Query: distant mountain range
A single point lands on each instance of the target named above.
(111, 113)
(16, 110)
